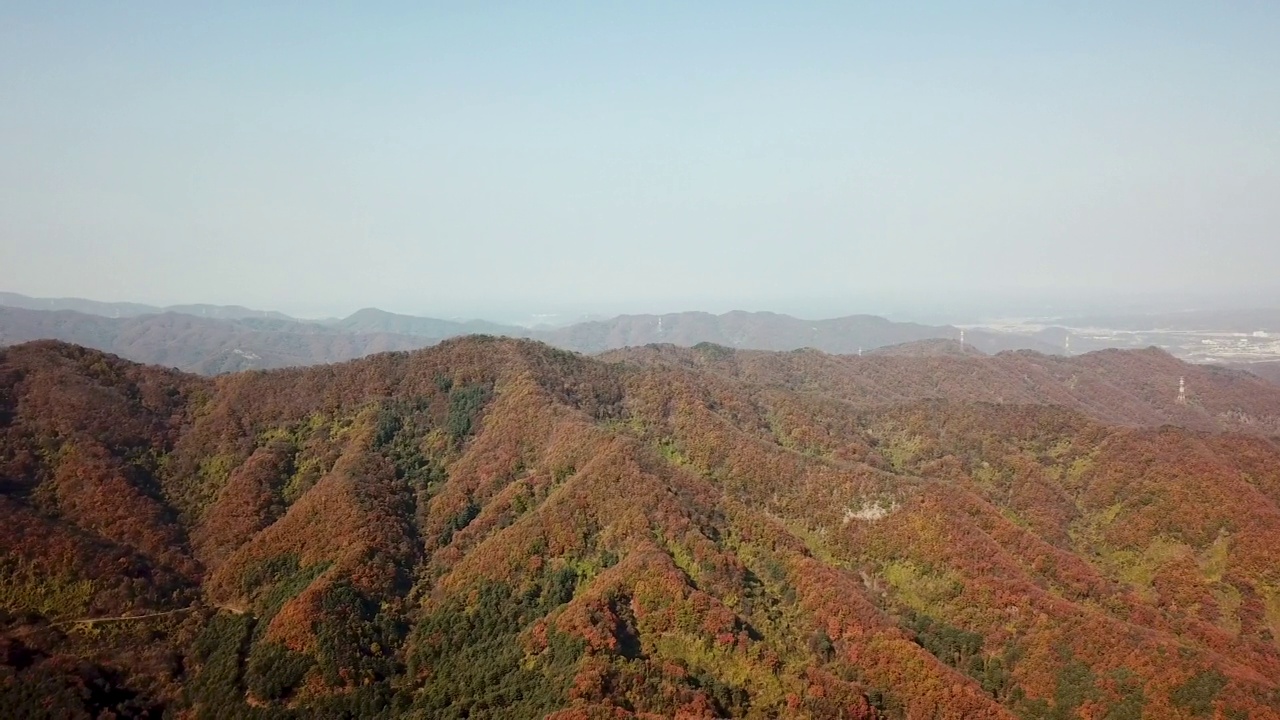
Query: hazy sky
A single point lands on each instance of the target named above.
(466, 158)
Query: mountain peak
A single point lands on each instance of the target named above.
(492, 524)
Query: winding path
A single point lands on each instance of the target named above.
(90, 622)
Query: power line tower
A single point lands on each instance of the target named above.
(1066, 345)
(1182, 391)
(961, 339)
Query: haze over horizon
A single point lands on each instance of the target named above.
(491, 162)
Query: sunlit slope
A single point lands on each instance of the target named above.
(492, 528)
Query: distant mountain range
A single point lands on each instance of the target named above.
(211, 339)
(125, 309)
(199, 344)
(770, 331)
(373, 320)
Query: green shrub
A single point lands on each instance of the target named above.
(1197, 694)
(471, 662)
(464, 404)
(273, 671)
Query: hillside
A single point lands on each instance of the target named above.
(1265, 370)
(494, 528)
(927, 348)
(1124, 387)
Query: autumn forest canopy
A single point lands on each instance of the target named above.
(495, 528)
(634, 361)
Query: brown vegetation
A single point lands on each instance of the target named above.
(493, 528)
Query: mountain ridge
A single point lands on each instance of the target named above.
(495, 527)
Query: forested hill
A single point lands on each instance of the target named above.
(495, 528)
(1129, 387)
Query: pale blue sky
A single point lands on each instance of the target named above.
(489, 158)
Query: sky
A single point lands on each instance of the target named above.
(496, 159)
